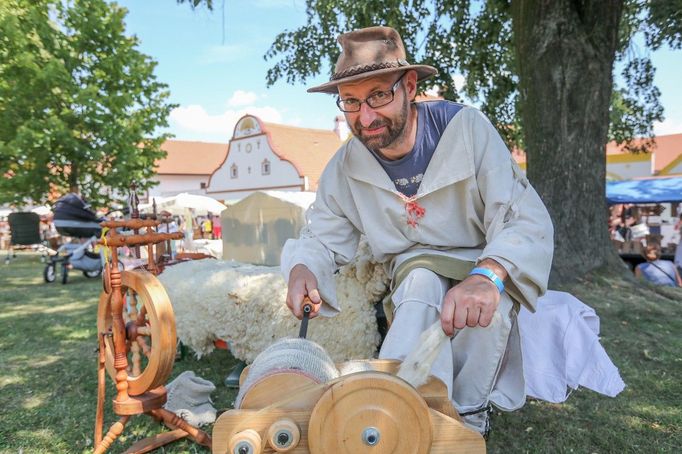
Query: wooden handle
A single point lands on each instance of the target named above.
(130, 223)
(133, 240)
(307, 305)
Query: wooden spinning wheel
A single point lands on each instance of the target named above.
(137, 342)
(150, 331)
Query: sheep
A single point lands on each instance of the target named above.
(244, 305)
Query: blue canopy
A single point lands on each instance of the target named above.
(653, 190)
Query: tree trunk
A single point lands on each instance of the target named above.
(565, 52)
(73, 178)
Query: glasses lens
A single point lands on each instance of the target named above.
(380, 99)
(348, 105)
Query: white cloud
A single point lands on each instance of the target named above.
(193, 122)
(433, 91)
(242, 98)
(668, 126)
(459, 81)
(221, 54)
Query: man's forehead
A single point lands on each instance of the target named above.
(369, 84)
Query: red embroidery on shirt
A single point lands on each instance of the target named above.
(413, 209)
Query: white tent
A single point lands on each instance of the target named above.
(42, 210)
(201, 204)
(255, 229)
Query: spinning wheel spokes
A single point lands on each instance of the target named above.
(150, 331)
(138, 334)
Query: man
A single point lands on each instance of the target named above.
(464, 236)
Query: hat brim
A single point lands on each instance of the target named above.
(331, 87)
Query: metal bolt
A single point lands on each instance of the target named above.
(370, 436)
(284, 438)
(243, 447)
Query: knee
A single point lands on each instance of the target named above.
(421, 277)
(421, 285)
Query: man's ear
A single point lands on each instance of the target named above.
(411, 84)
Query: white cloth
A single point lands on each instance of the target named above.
(189, 397)
(561, 349)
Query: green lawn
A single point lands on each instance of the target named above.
(48, 373)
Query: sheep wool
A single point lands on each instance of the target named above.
(245, 305)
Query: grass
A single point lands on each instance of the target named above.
(48, 374)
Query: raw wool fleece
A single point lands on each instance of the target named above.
(245, 305)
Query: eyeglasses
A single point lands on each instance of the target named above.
(375, 100)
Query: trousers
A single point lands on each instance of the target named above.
(478, 365)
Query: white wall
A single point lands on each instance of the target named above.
(675, 170)
(627, 170)
(248, 155)
(175, 184)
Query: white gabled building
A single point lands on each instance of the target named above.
(186, 168)
(265, 156)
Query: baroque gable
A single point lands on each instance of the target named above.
(252, 163)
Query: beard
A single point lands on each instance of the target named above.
(394, 133)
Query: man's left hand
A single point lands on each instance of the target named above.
(472, 302)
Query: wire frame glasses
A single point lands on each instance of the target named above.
(375, 100)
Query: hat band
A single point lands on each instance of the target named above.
(359, 69)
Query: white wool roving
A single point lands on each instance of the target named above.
(416, 367)
(245, 305)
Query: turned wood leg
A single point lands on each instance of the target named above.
(112, 435)
(174, 421)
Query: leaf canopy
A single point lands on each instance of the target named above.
(80, 106)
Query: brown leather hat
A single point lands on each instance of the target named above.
(370, 52)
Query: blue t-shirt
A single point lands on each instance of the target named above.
(408, 171)
(659, 272)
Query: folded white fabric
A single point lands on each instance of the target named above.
(561, 350)
(189, 397)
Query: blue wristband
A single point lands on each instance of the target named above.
(490, 275)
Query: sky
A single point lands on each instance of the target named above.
(213, 64)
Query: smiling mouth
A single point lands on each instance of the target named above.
(374, 131)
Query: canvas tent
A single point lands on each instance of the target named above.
(178, 204)
(649, 190)
(255, 229)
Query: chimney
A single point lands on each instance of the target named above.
(341, 127)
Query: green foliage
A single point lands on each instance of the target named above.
(195, 3)
(475, 39)
(664, 23)
(80, 106)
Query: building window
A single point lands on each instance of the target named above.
(234, 173)
(265, 167)
(202, 185)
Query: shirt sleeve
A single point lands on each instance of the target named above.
(518, 228)
(327, 241)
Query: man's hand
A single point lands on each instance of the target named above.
(302, 284)
(472, 302)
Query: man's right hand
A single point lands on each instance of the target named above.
(302, 284)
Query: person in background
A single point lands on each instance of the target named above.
(207, 227)
(678, 249)
(657, 271)
(217, 228)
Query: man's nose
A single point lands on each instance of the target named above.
(367, 115)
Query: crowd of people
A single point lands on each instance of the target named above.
(629, 230)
